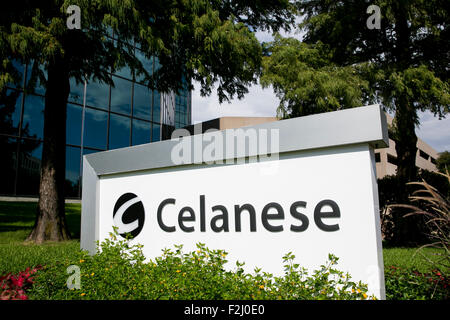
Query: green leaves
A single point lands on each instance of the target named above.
(120, 271)
(207, 41)
(306, 81)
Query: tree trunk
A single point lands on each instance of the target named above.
(50, 224)
(408, 230)
(406, 142)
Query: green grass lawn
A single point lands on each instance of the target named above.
(17, 219)
(16, 222)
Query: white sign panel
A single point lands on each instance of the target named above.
(316, 202)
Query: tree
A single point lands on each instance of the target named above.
(206, 41)
(406, 61)
(306, 81)
(443, 162)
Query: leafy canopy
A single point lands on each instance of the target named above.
(207, 41)
(306, 81)
(409, 56)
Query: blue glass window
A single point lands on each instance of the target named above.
(40, 87)
(95, 127)
(72, 171)
(142, 102)
(73, 124)
(89, 151)
(147, 64)
(8, 164)
(76, 91)
(29, 167)
(33, 117)
(124, 71)
(97, 95)
(20, 69)
(121, 96)
(156, 107)
(141, 132)
(119, 131)
(156, 133)
(10, 110)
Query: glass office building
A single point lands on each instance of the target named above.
(99, 117)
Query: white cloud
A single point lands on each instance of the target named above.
(435, 132)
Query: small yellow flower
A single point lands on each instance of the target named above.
(83, 294)
(261, 286)
(81, 261)
(178, 271)
(365, 296)
(359, 291)
(92, 274)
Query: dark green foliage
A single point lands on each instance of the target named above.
(397, 229)
(207, 41)
(405, 62)
(443, 162)
(306, 81)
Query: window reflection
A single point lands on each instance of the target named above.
(72, 171)
(95, 127)
(121, 96)
(76, 91)
(40, 87)
(20, 69)
(147, 64)
(156, 134)
(73, 124)
(119, 131)
(142, 102)
(156, 107)
(33, 117)
(141, 132)
(136, 110)
(124, 71)
(10, 110)
(97, 95)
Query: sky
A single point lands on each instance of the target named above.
(260, 102)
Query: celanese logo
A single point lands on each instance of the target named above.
(129, 215)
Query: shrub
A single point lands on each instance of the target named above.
(395, 229)
(408, 284)
(119, 271)
(434, 207)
